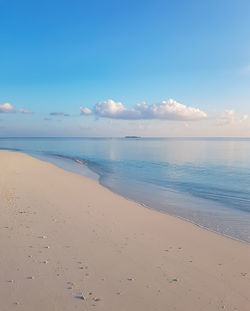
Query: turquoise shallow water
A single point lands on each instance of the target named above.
(206, 181)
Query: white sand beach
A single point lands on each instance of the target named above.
(67, 243)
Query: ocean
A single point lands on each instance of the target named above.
(203, 180)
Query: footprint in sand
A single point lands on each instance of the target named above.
(81, 297)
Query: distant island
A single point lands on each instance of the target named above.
(132, 136)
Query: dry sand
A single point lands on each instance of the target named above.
(68, 243)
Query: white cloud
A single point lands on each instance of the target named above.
(244, 117)
(24, 111)
(165, 110)
(230, 117)
(85, 111)
(6, 108)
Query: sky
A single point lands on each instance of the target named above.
(113, 68)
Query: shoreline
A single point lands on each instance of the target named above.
(136, 257)
(98, 177)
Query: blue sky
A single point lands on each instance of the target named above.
(58, 56)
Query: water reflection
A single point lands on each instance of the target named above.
(204, 180)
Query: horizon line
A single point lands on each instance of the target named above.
(136, 137)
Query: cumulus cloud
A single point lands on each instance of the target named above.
(165, 110)
(230, 117)
(6, 108)
(24, 111)
(85, 111)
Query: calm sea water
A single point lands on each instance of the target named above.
(206, 181)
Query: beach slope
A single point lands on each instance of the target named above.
(67, 243)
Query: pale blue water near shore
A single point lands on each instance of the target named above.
(206, 181)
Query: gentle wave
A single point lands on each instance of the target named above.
(204, 181)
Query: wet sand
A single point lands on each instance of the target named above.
(67, 243)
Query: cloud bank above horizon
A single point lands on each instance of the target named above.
(165, 110)
(142, 119)
(8, 108)
(230, 117)
(24, 111)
